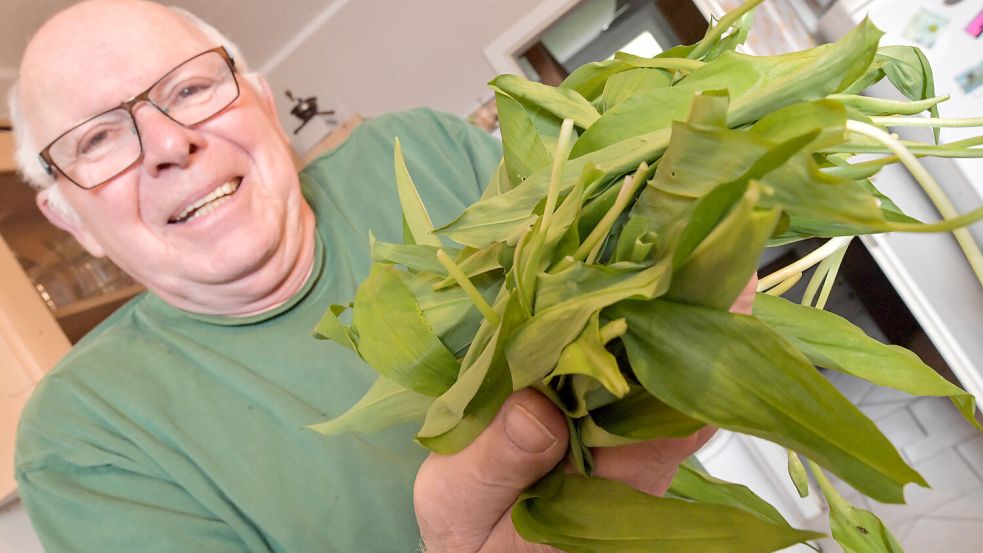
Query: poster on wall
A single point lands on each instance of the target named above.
(971, 79)
(925, 27)
(975, 27)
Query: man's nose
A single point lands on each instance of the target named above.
(166, 143)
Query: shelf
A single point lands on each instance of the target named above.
(28, 234)
(76, 319)
(116, 296)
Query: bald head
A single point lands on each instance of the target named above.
(97, 54)
(73, 39)
(92, 59)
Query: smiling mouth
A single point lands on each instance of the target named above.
(207, 203)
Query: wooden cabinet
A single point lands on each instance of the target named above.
(79, 290)
(31, 342)
(36, 331)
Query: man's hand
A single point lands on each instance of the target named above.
(463, 501)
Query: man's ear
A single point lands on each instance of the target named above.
(54, 209)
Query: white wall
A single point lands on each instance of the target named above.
(16, 534)
(377, 56)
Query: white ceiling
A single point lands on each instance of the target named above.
(259, 27)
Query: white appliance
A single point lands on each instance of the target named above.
(929, 270)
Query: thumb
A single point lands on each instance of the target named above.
(460, 498)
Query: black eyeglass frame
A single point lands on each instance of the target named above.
(48, 163)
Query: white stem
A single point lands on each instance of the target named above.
(562, 151)
(932, 190)
(834, 262)
(927, 122)
(785, 285)
(815, 256)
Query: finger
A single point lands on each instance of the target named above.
(651, 465)
(460, 498)
(745, 301)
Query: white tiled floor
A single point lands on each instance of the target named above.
(931, 436)
(937, 442)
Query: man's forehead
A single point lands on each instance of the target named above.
(98, 54)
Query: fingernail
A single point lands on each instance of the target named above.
(526, 432)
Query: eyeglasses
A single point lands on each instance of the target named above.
(101, 147)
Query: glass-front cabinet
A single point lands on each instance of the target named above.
(52, 292)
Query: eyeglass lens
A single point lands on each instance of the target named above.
(106, 145)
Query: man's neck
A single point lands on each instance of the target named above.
(257, 293)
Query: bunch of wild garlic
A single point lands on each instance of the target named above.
(630, 209)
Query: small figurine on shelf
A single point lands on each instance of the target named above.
(305, 110)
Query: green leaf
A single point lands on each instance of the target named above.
(738, 36)
(860, 531)
(890, 210)
(414, 213)
(811, 75)
(449, 312)
(456, 418)
(535, 249)
(707, 214)
(693, 483)
(735, 20)
(832, 342)
(523, 150)
(394, 337)
(869, 105)
(561, 102)
(503, 217)
(587, 356)
(330, 328)
(561, 510)
(417, 257)
(641, 113)
(758, 85)
(710, 108)
(590, 79)
(621, 86)
(716, 271)
(778, 152)
(572, 393)
(733, 371)
(797, 472)
(474, 262)
(910, 72)
(637, 417)
(856, 530)
(499, 182)
(578, 454)
(578, 293)
(385, 404)
(798, 186)
(823, 118)
(635, 240)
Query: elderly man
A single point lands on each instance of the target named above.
(175, 426)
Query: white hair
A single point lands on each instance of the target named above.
(26, 147)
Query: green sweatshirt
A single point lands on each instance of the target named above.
(166, 431)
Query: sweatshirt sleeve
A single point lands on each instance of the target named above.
(83, 509)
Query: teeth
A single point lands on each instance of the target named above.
(208, 203)
(208, 208)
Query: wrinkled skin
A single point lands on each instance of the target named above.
(251, 253)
